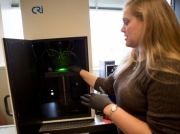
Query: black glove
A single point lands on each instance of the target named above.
(75, 69)
(96, 101)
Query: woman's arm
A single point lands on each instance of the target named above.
(95, 81)
(126, 122)
(88, 77)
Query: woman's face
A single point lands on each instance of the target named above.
(132, 29)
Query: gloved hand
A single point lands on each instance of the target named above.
(96, 101)
(75, 69)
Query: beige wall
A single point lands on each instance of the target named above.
(3, 92)
(60, 18)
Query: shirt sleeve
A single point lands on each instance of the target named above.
(163, 113)
(105, 83)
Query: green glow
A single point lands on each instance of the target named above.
(61, 70)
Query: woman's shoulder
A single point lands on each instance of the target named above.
(170, 62)
(167, 71)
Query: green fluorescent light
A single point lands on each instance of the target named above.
(61, 70)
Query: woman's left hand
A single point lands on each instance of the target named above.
(96, 101)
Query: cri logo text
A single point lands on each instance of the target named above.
(37, 9)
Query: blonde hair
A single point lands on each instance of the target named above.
(160, 38)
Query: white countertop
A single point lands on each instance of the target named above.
(7, 129)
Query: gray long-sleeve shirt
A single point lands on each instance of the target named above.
(151, 101)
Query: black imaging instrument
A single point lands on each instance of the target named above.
(43, 90)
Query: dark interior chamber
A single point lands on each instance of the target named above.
(42, 67)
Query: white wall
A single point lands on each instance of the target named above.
(11, 20)
(169, 1)
(10, 24)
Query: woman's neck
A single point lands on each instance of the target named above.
(141, 55)
(141, 58)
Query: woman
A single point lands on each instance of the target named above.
(147, 83)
